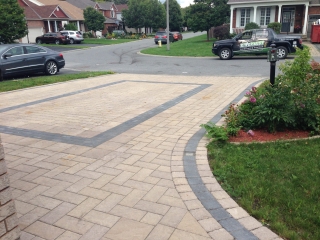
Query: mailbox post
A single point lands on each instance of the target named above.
(272, 58)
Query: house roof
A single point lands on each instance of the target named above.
(44, 12)
(29, 13)
(82, 4)
(120, 7)
(72, 11)
(105, 5)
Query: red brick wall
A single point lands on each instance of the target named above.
(314, 10)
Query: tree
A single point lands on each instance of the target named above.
(175, 17)
(12, 21)
(156, 15)
(185, 16)
(205, 14)
(70, 26)
(134, 16)
(93, 19)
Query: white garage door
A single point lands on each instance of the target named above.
(33, 33)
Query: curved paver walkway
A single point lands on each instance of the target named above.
(121, 157)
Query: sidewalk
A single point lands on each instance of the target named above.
(121, 157)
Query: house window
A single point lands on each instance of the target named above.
(265, 16)
(112, 13)
(245, 16)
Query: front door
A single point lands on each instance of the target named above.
(288, 19)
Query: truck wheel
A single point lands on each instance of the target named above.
(225, 53)
(282, 52)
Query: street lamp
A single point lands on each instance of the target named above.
(168, 33)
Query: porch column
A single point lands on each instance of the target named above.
(78, 25)
(55, 26)
(279, 13)
(304, 31)
(231, 19)
(255, 14)
(49, 27)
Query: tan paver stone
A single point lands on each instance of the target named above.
(127, 212)
(172, 193)
(177, 168)
(132, 159)
(214, 187)
(96, 232)
(161, 174)
(114, 188)
(67, 235)
(228, 203)
(84, 159)
(31, 217)
(26, 236)
(186, 196)
(46, 165)
(207, 180)
(190, 224)
(76, 168)
(57, 213)
(70, 197)
(181, 235)
(44, 230)
(210, 224)
(166, 183)
(155, 194)
(32, 193)
(238, 212)
(56, 189)
(180, 181)
(96, 153)
(67, 177)
(84, 207)
(122, 178)
(160, 232)
(151, 218)
(23, 185)
(221, 234)
(152, 180)
(134, 230)
(152, 207)
(17, 193)
(94, 193)
(94, 166)
(81, 184)
(183, 188)
(34, 175)
(109, 203)
(101, 181)
(77, 150)
(200, 213)
(109, 171)
(101, 218)
(45, 202)
(173, 217)
(138, 185)
(47, 181)
(74, 224)
(250, 223)
(25, 168)
(58, 147)
(149, 157)
(172, 201)
(23, 207)
(142, 174)
(220, 195)
(264, 233)
(132, 198)
(128, 168)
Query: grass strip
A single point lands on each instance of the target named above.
(105, 41)
(11, 85)
(276, 182)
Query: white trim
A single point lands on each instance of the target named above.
(304, 31)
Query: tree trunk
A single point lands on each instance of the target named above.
(208, 35)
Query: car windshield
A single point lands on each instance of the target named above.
(161, 33)
(237, 36)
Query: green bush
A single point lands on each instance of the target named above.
(221, 32)
(70, 26)
(88, 35)
(251, 25)
(293, 102)
(275, 26)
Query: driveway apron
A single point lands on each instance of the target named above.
(121, 156)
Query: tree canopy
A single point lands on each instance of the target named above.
(12, 21)
(93, 19)
(175, 16)
(205, 14)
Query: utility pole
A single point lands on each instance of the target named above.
(168, 35)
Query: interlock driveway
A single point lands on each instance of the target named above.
(121, 157)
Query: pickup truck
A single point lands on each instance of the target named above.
(256, 41)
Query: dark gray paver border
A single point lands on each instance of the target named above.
(209, 202)
(104, 136)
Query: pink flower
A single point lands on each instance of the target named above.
(253, 99)
(248, 93)
(254, 89)
(250, 132)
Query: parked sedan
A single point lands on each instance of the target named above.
(162, 36)
(177, 36)
(56, 38)
(18, 59)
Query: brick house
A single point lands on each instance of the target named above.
(109, 11)
(295, 16)
(41, 19)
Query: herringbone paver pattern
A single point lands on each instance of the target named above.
(132, 186)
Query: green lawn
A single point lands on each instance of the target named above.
(10, 85)
(277, 183)
(104, 41)
(192, 47)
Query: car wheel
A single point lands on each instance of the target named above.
(51, 68)
(71, 41)
(282, 52)
(57, 42)
(39, 41)
(225, 54)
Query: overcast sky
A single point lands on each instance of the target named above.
(184, 3)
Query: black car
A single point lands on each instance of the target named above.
(162, 36)
(56, 38)
(18, 59)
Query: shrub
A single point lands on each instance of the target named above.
(88, 35)
(275, 26)
(251, 25)
(70, 26)
(221, 32)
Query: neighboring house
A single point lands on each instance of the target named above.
(75, 14)
(295, 16)
(109, 11)
(41, 19)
